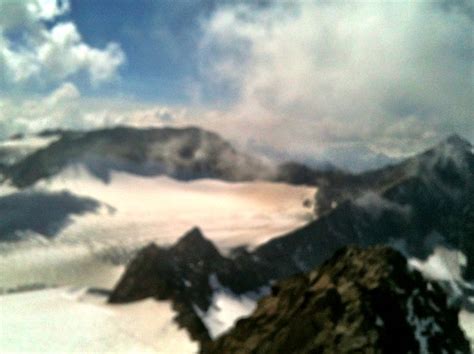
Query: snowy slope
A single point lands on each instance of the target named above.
(226, 307)
(163, 209)
(133, 211)
(66, 320)
(136, 210)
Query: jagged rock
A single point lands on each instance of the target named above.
(359, 301)
(185, 272)
(181, 274)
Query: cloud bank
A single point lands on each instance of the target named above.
(305, 80)
(66, 107)
(393, 75)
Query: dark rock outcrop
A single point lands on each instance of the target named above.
(359, 301)
(184, 274)
(191, 271)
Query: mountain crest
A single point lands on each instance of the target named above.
(459, 141)
(360, 300)
(195, 245)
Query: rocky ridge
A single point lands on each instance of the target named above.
(181, 153)
(366, 300)
(360, 300)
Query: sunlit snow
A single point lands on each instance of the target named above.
(134, 211)
(226, 307)
(67, 320)
(163, 209)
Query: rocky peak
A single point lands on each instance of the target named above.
(148, 275)
(180, 273)
(458, 141)
(357, 291)
(194, 245)
(454, 152)
(360, 300)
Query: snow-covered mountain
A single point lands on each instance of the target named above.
(184, 154)
(78, 221)
(421, 206)
(76, 208)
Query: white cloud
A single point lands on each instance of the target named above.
(306, 77)
(60, 108)
(44, 55)
(64, 107)
(27, 13)
(66, 92)
(48, 9)
(397, 76)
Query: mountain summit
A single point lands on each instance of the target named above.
(359, 301)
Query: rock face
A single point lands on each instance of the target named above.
(359, 301)
(364, 294)
(448, 165)
(183, 274)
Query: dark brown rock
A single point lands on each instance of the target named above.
(359, 301)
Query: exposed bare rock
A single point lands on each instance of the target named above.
(359, 301)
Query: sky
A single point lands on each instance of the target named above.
(302, 79)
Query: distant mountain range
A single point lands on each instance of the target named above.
(181, 153)
(416, 204)
(353, 158)
(193, 153)
(184, 154)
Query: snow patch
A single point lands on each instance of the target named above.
(225, 310)
(227, 307)
(466, 321)
(376, 205)
(442, 264)
(424, 327)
